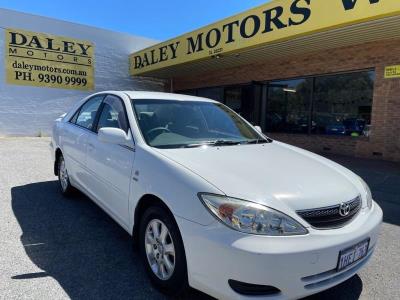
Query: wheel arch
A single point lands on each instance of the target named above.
(145, 202)
(180, 282)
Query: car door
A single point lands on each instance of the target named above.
(75, 136)
(111, 165)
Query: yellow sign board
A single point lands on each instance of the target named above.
(44, 60)
(392, 72)
(274, 21)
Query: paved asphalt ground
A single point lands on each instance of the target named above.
(53, 248)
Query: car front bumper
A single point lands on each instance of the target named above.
(298, 265)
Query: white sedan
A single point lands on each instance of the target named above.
(213, 203)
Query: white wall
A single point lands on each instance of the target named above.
(27, 111)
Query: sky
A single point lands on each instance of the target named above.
(156, 19)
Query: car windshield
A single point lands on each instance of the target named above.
(189, 124)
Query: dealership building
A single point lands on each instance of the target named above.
(30, 100)
(322, 75)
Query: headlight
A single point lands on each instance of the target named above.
(249, 217)
(367, 192)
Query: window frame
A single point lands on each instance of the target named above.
(99, 111)
(101, 107)
(78, 111)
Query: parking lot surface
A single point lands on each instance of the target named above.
(54, 248)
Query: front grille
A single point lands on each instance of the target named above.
(330, 217)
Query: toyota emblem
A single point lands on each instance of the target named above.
(344, 209)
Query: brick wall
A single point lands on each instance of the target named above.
(385, 130)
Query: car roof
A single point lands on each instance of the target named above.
(142, 95)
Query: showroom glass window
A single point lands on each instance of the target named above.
(288, 106)
(343, 104)
(215, 93)
(243, 99)
(233, 98)
(339, 105)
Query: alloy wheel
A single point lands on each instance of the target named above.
(64, 181)
(160, 249)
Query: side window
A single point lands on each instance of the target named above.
(113, 114)
(87, 113)
(73, 119)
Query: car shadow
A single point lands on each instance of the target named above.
(77, 244)
(91, 256)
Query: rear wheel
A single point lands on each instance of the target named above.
(162, 251)
(63, 177)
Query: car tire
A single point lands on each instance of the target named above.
(156, 249)
(63, 178)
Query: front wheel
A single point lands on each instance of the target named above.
(63, 178)
(162, 251)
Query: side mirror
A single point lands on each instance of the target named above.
(114, 136)
(258, 128)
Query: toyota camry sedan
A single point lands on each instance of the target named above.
(210, 201)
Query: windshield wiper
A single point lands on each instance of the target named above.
(228, 143)
(256, 141)
(224, 143)
(214, 143)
